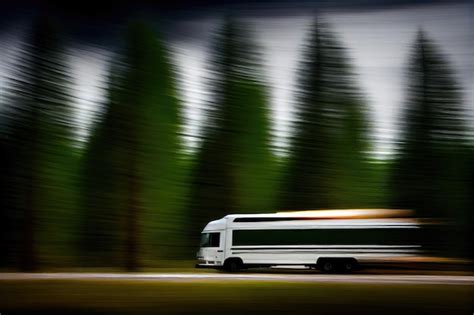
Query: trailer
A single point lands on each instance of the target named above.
(330, 240)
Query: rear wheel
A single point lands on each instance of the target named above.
(326, 265)
(349, 265)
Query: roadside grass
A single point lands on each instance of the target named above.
(91, 296)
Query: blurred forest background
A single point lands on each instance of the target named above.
(132, 196)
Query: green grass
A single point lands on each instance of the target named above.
(229, 297)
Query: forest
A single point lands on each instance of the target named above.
(133, 197)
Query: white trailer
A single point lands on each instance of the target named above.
(328, 240)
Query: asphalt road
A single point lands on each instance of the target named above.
(196, 277)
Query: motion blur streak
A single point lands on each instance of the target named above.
(197, 112)
(353, 213)
(417, 279)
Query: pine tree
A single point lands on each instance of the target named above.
(430, 172)
(327, 166)
(427, 175)
(7, 212)
(233, 170)
(470, 205)
(38, 140)
(132, 162)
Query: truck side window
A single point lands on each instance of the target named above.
(214, 239)
(210, 239)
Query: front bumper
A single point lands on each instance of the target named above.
(203, 263)
(207, 266)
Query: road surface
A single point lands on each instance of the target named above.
(197, 277)
(259, 292)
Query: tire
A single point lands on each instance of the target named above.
(327, 266)
(233, 265)
(349, 265)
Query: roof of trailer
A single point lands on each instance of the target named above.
(349, 217)
(331, 214)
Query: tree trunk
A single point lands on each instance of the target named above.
(28, 255)
(132, 217)
(28, 249)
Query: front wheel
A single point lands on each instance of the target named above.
(233, 265)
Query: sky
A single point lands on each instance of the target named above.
(378, 41)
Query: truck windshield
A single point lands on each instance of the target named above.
(210, 239)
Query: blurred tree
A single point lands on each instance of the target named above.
(470, 206)
(37, 180)
(233, 170)
(101, 186)
(430, 172)
(327, 166)
(132, 164)
(7, 212)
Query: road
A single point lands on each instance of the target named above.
(249, 292)
(197, 277)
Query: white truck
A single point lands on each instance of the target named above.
(329, 240)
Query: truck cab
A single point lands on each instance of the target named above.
(212, 245)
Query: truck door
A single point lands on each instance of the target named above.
(213, 247)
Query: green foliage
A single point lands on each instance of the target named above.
(234, 168)
(38, 195)
(133, 164)
(132, 197)
(430, 174)
(327, 167)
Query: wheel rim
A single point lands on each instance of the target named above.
(348, 266)
(327, 266)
